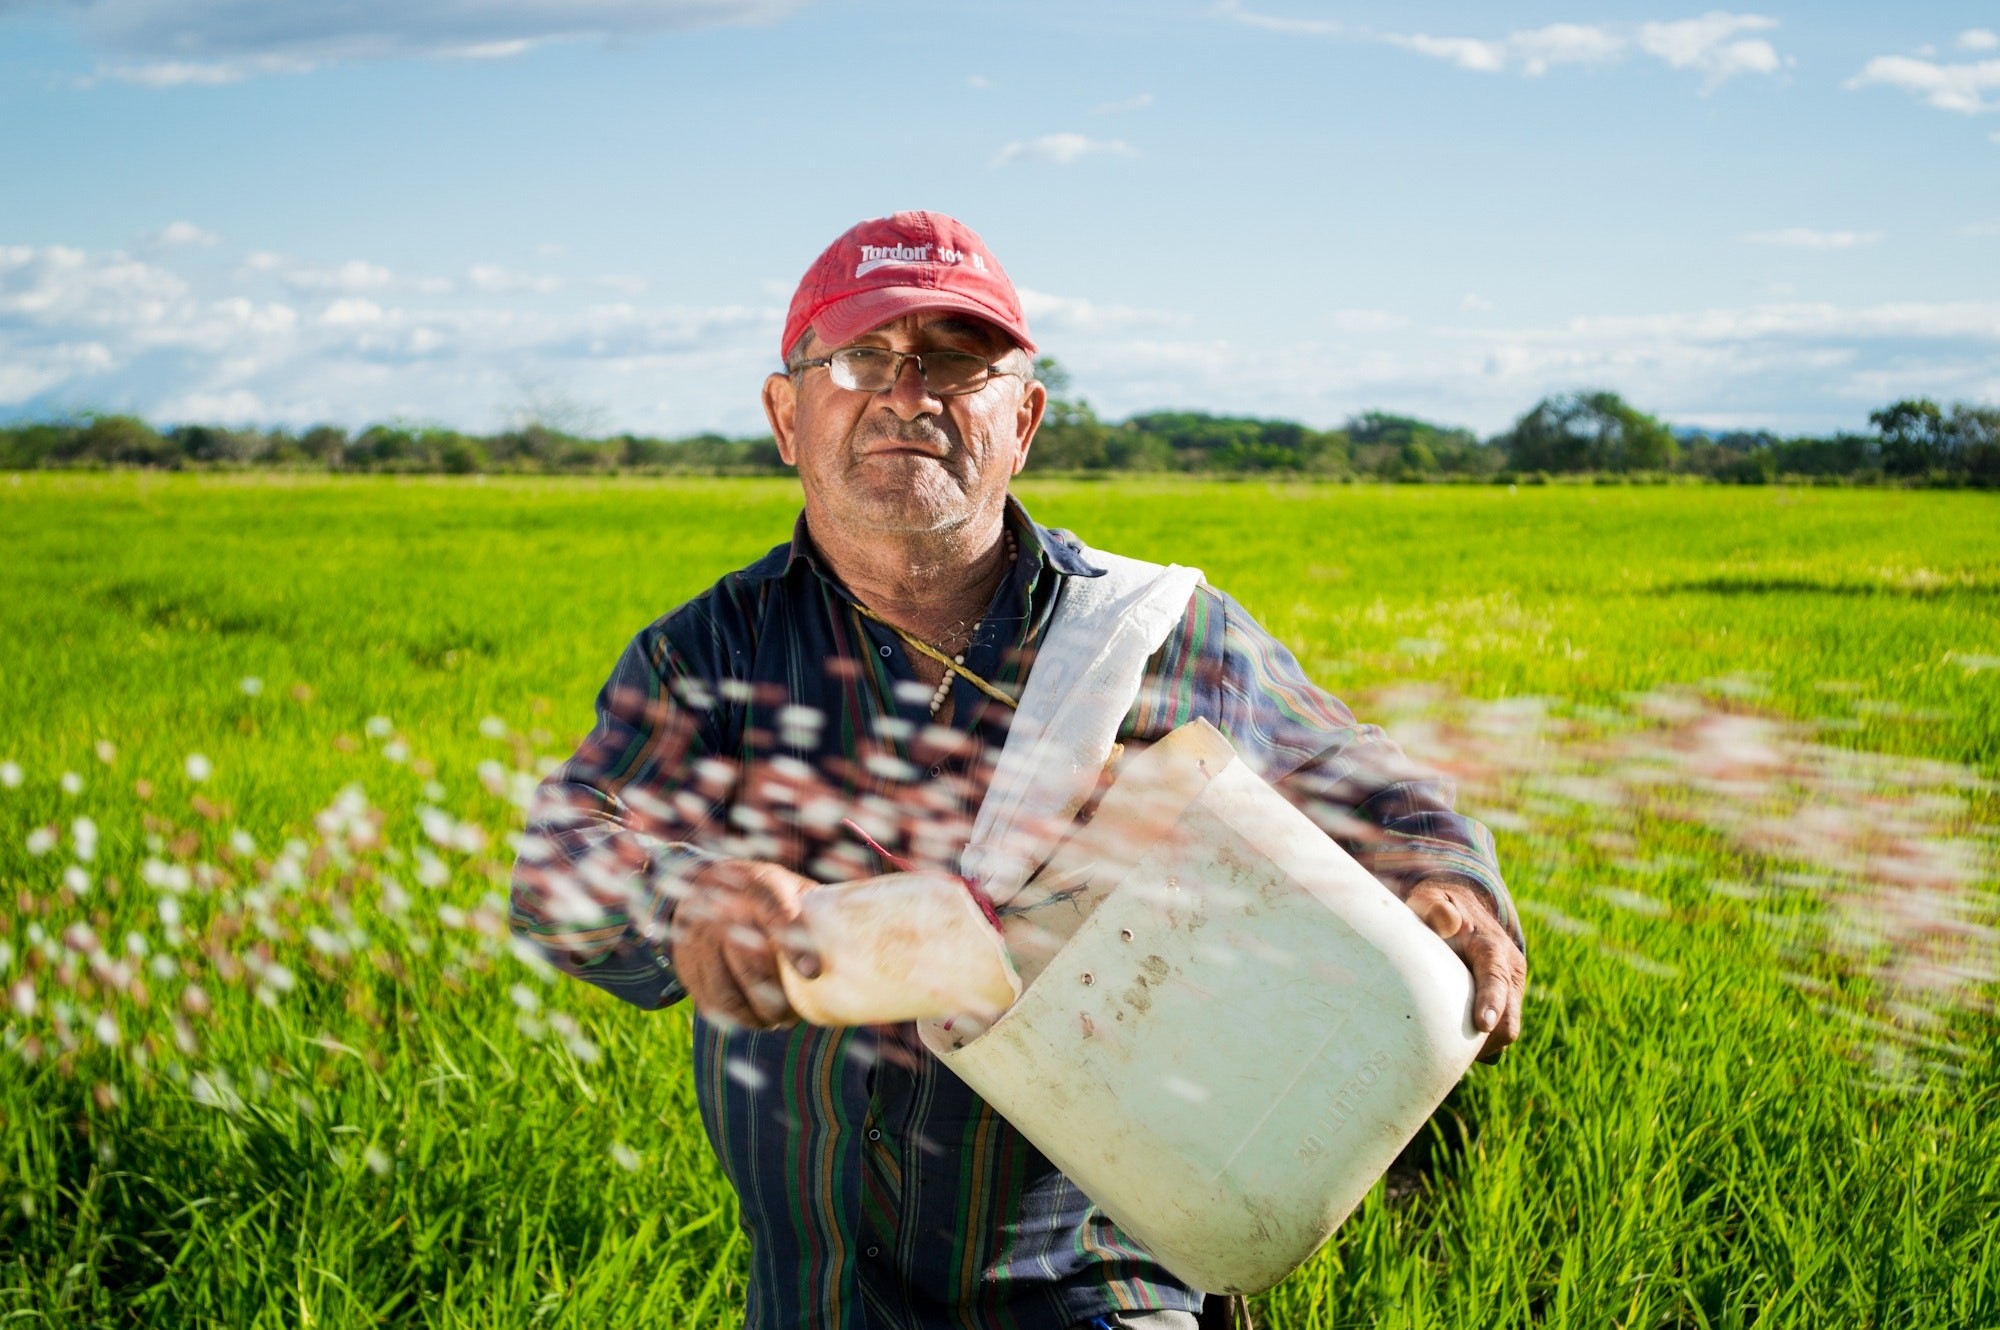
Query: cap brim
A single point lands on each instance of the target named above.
(864, 311)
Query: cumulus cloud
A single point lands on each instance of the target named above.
(1366, 321)
(110, 330)
(1948, 87)
(174, 43)
(1714, 45)
(486, 277)
(310, 278)
(1979, 39)
(1792, 366)
(181, 235)
(1071, 314)
(1533, 52)
(350, 342)
(1062, 149)
(1804, 237)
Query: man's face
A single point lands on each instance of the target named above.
(902, 459)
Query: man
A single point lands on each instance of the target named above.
(858, 678)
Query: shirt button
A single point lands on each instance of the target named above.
(937, 771)
(874, 1134)
(874, 1251)
(885, 649)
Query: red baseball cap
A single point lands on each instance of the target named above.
(891, 266)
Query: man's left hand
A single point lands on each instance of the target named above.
(1464, 918)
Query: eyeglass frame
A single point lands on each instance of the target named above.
(993, 369)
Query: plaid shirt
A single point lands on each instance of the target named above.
(877, 1190)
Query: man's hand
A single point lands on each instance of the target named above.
(1464, 918)
(727, 933)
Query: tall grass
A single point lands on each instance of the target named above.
(268, 1058)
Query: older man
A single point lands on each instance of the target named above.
(864, 670)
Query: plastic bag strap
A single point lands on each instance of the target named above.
(1085, 676)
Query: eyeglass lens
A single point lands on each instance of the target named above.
(873, 369)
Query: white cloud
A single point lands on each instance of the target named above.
(1366, 320)
(1804, 237)
(1070, 314)
(350, 312)
(353, 275)
(1474, 303)
(1532, 52)
(1713, 44)
(1979, 39)
(198, 73)
(1960, 88)
(180, 235)
(1301, 27)
(107, 330)
(1138, 103)
(500, 50)
(176, 43)
(110, 330)
(486, 277)
(978, 81)
(1793, 366)
(1063, 149)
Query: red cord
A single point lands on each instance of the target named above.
(903, 865)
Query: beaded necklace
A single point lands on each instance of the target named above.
(954, 665)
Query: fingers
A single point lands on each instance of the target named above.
(1435, 907)
(1465, 920)
(1499, 977)
(728, 931)
(752, 965)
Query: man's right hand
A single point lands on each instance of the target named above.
(728, 930)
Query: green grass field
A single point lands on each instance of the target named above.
(267, 1058)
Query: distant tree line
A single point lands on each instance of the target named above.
(1598, 433)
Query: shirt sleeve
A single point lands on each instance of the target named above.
(1393, 816)
(608, 847)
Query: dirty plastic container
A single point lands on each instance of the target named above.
(901, 947)
(1229, 1028)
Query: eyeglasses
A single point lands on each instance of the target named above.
(875, 369)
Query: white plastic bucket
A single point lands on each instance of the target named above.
(901, 947)
(1229, 1030)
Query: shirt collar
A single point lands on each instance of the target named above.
(1058, 549)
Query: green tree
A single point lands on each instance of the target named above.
(1976, 442)
(1916, 438)
(1588, 431)
(121, 441)
(1071, 437)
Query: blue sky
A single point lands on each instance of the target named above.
(245, 211)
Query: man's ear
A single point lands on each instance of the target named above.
(1028, 419)
(781, 405)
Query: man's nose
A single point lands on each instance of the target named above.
(907, 396)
